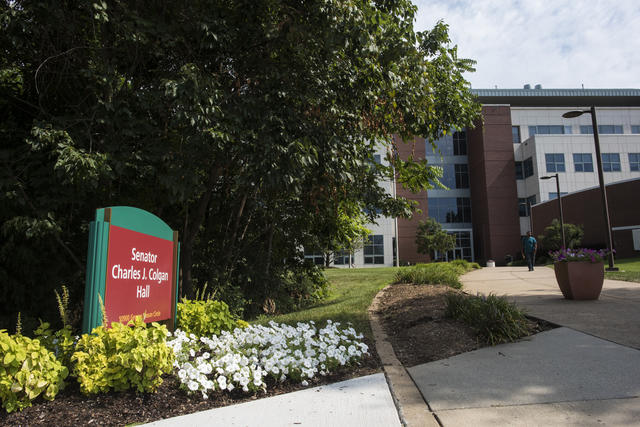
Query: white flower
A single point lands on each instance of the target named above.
(193, 386)
(304, 383)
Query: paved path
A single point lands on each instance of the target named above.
(615, 316)
(587, 373)
(364, 401)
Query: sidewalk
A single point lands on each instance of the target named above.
(614, 317)
(585, 373)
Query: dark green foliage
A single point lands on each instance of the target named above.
(494, 319)
(438, 273)
(248, 126)
(431, 237)
(551, 240)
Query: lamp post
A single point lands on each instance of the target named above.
(603, 190)
(564, 243)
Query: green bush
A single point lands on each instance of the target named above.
(205, 318)
(27, 370)
(124, 356)
(438, 273)
(494, 319)
(60, 343)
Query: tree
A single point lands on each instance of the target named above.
(551, 240)
(247, 125)
(430, 238)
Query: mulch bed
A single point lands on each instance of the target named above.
(71, 408)
(412, 315)
(413, 318)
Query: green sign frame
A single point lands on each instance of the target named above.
(130, 218)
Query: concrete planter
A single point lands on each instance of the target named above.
(580, 280)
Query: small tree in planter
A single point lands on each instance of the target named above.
(431, 238)
(579, 272)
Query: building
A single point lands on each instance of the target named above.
(493, 170)
(584, 207)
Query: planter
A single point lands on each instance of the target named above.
(579, 280)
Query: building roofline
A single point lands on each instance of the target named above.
(559, 97)
(609, 184)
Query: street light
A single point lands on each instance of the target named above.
(564, 243)
(603, 190)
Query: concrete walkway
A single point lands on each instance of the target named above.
(587, 373)
(364, 401)
(615, 316)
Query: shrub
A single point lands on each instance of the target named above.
(494, 319)
(27, 370)
(551, 240)
(121, 357)
(205, 318)
(60, 343)
(435, 273)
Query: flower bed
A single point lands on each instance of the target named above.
(246, 357)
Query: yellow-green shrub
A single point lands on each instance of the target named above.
(205, 318)
(27, 370)
(124, 356)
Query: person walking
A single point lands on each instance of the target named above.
(529, 248)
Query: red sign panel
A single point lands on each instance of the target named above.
(139, 275)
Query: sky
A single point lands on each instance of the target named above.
(555, 43)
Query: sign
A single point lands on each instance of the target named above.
(132, 268)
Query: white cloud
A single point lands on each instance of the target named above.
(557, 43)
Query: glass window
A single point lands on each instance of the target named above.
(555, 162)
(554, 195)
(582, 162)
(314, 256)
(519, 172)
(342, 258)
(374, 249)
(450, 209)
(635, 129)
(462, 176)
(610, 129)
(527, 167)
(460, 143)
(376, 158)
(524, 205)
(634, 162)
(549, 130)
(611, 162)
(448, 176)
(515, 134)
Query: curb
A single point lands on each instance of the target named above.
(412, 408)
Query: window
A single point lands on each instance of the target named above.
(524, 205)
(519, 173)
(614, 129)
(582, 162)
(549, 130)
(527, 167)
(374, 249)
(634, 162)
(635, 128)
(376, 158)
(460, 143)
(555, 162)
(462, 249)
(314, 256)
(515, 134)
(554, 195)
(450, 209)
(342, 258)
(462, 176)
(611, 162)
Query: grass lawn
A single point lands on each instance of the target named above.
(351, 293)
(629, 270)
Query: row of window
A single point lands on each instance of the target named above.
(582, 162)
(562, 130)
(455, 176)
(373, 253)
(452, 145)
